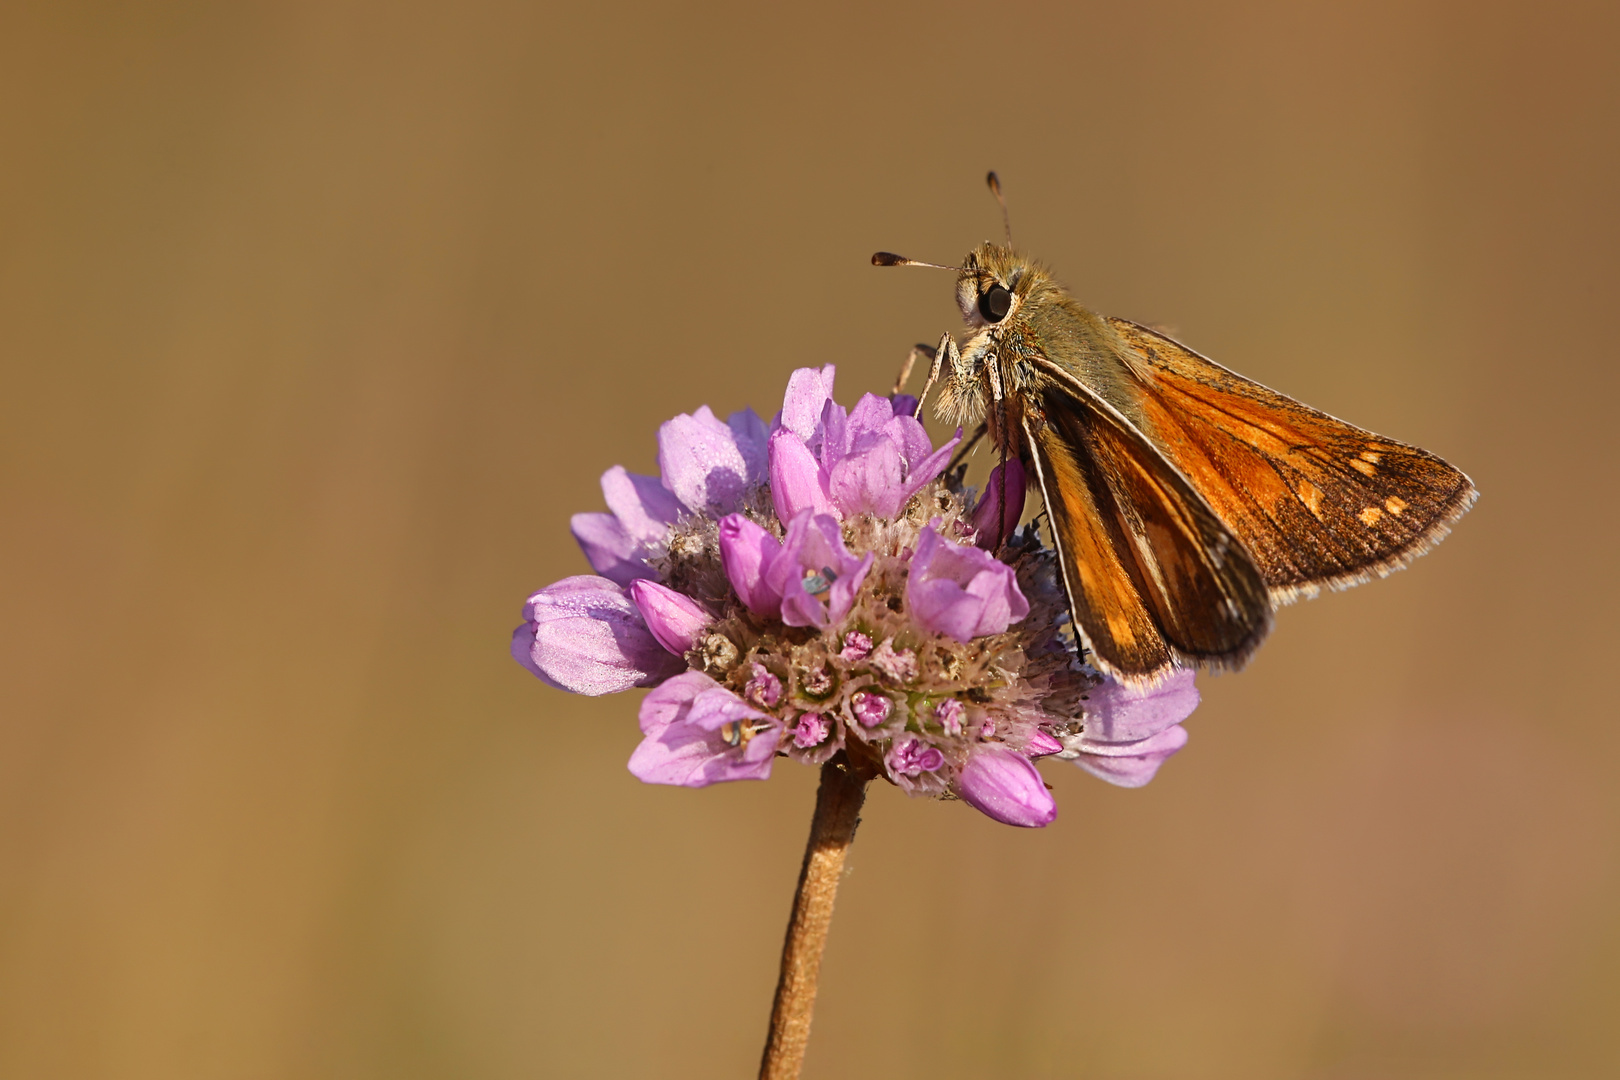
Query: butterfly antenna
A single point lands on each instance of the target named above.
(995, 189)
(889, 258)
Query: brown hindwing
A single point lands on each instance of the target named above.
(1153, 576)
(1318, 503)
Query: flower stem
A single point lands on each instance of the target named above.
(838, 808)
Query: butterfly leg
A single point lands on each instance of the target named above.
(911, 362)
(946, 353)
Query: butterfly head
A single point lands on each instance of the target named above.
(994, 284)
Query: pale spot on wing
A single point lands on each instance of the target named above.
(1119, 628)
(1394, 505)
(1369, 456)
(1365, 468)
(1311, 496)
(1370, 515)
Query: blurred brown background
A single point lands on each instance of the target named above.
(319, 320)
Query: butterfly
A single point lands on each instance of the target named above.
(1186, 503)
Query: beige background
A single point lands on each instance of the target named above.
(319, 320)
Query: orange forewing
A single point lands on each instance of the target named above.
(1317, 502)
(1153, 577)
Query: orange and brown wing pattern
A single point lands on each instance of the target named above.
(1154, 578)
(1317, 502)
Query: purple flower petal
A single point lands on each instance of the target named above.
(797, 479)
(1130, 764)
(813, 545)
(701, 462)
(808, 391)
(674, 618)
(831, 440)
(870, 416)
(908, 433)
(989, 508)
(699, 733)
(752, 437)
(871, 480)
(924, 471)
(1004, 785)
(747, 552)
(642, 504)
(842, 596)
(961, 591)
(904, 404)
(611, 551)
(587, 637)
(1118, 714)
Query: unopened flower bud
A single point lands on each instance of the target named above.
(1004, 785)
(675, 619)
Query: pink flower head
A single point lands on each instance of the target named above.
(778, 590)
(960, 590)
(764, 689)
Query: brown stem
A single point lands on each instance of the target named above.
(838, 808)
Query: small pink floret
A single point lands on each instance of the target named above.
(871, 709)
(811, 730)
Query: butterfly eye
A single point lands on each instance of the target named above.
(995, 303)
